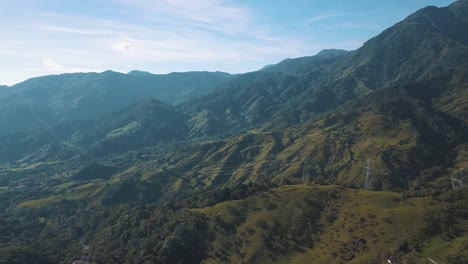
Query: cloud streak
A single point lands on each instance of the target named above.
(336, 21)
(320, 17)
(354, 26)
(211, 15)
(175, 31)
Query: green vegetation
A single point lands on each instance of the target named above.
(263, 167)
(258, 224)
(94, 171)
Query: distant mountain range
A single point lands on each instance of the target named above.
(45, 101)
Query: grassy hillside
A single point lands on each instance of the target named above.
(251, 224)
(314, 224)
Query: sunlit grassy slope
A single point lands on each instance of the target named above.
(91, 192)
(327, 224)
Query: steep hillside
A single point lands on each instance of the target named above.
(304, 224)
(428, 49)
(429, 45)
(267, 95)
(404, 138)
(302, 65)
(46, 101)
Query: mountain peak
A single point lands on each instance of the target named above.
(332, 52)
(139, 73)
(109, 72)
(442, 18)
(459, 9)
(292, 65)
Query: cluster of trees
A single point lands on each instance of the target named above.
(138, 230)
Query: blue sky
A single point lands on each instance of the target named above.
(41, 37)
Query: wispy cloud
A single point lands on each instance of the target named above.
(205, 14)
(72, 30)
(314, 21)
(330, 21)
(51, 64)
(354, 26)
(320, 18)
(123, 46)
(176, 31)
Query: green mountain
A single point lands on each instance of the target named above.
(137, 126)
(428, 48)
(300, 66)
(270, 95)
(45, 101)
(341, 157)
(428, 45)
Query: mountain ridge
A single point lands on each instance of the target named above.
(45, 101)
(399, 55)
